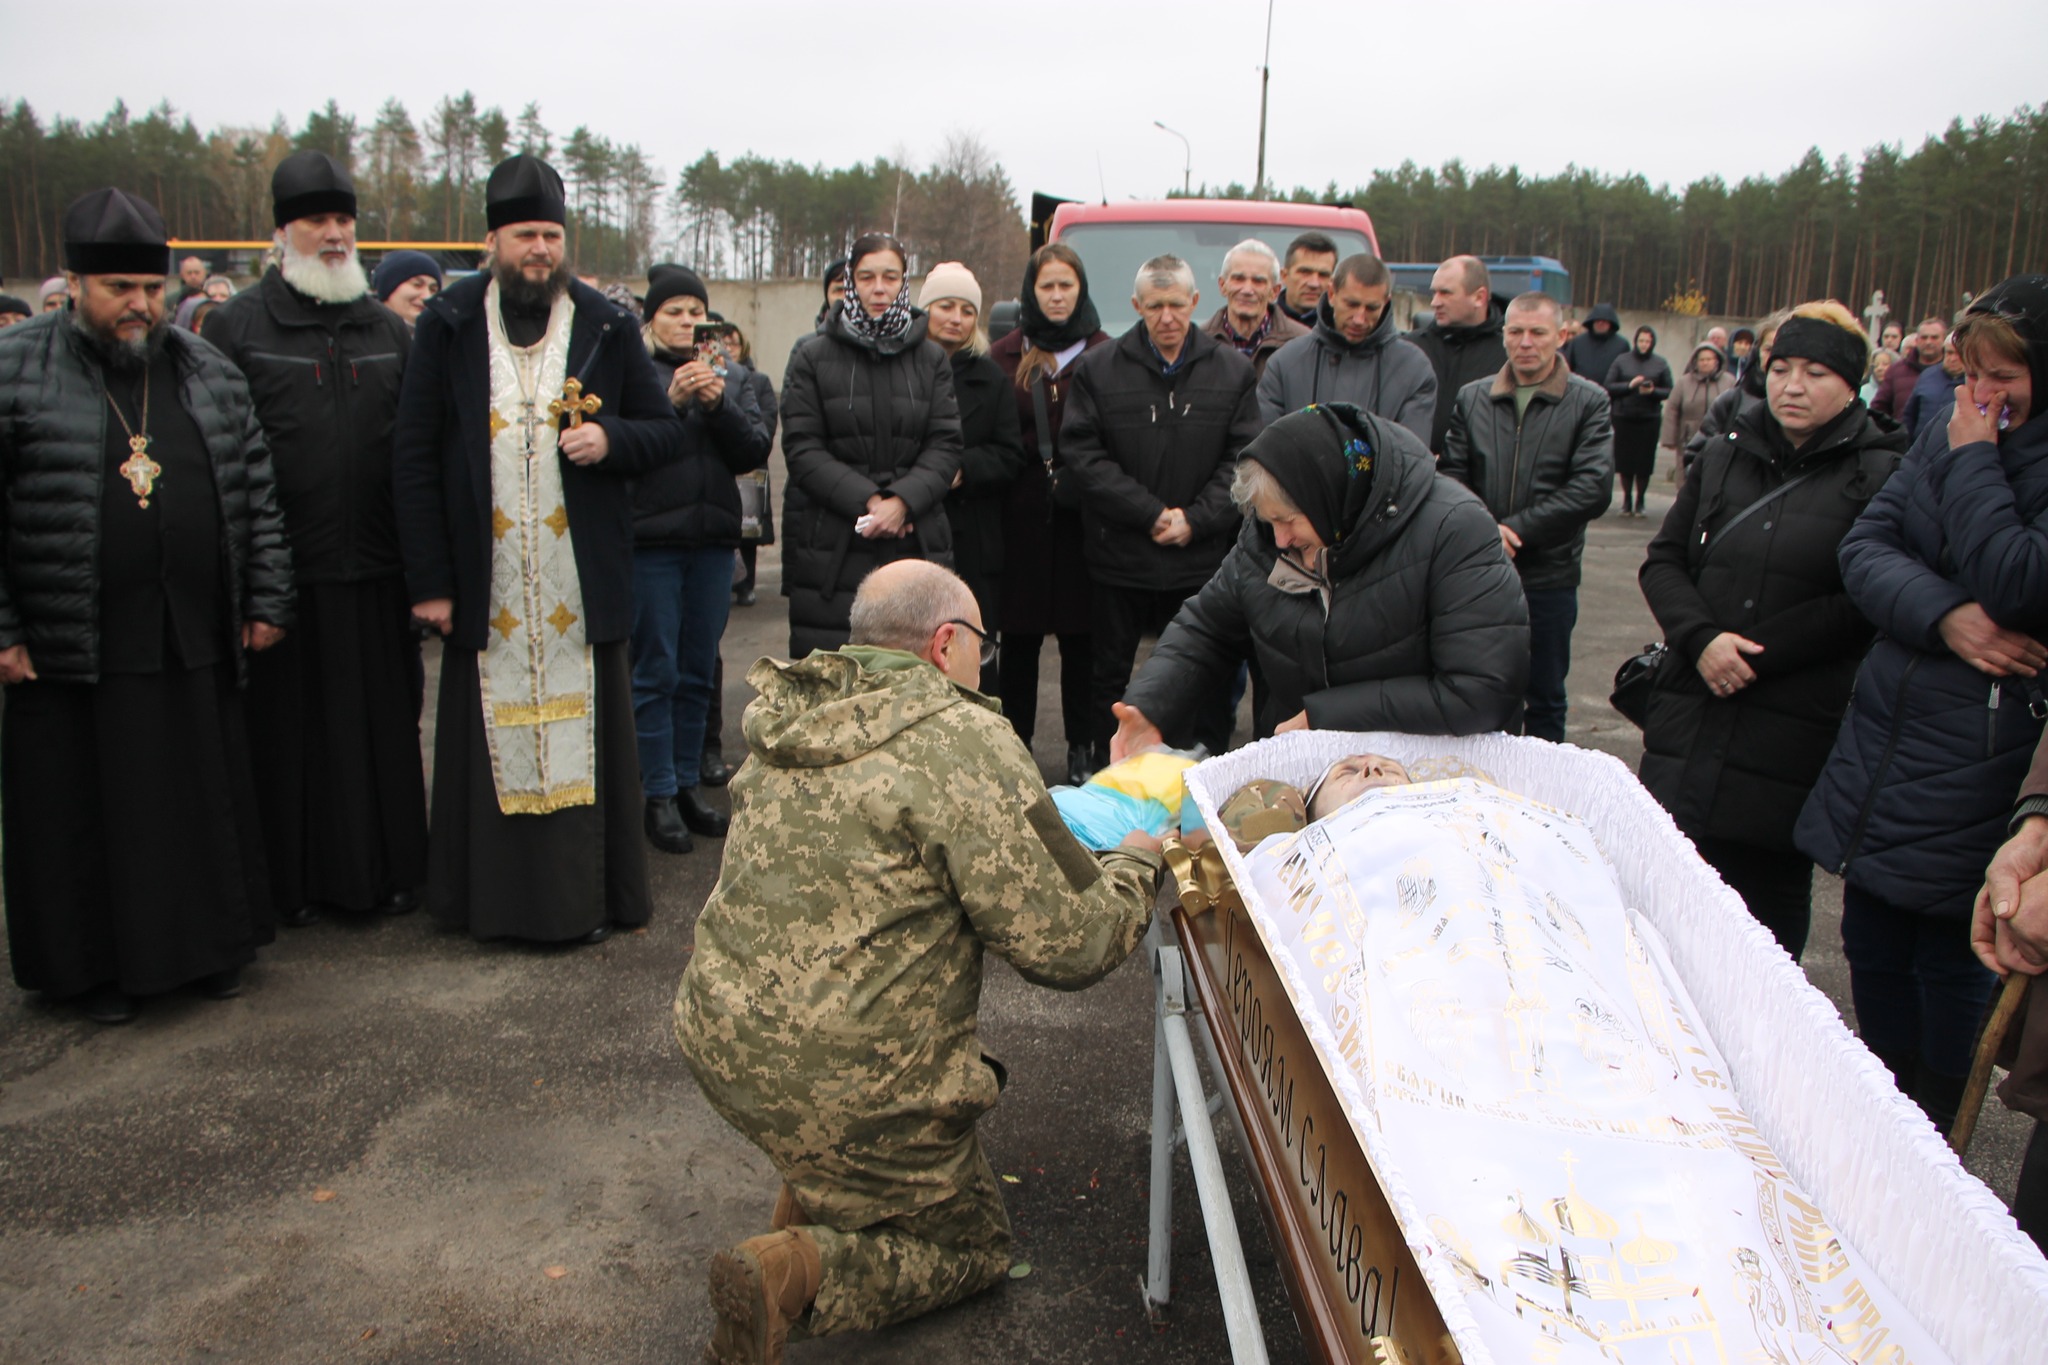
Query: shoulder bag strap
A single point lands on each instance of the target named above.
(1780, 491)
(1043, 422)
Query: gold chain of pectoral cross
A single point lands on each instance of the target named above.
(140, 471)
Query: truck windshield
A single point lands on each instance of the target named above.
(1114, 251)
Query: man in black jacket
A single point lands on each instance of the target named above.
(333, 711)
(1594, 350)
(1537, 444)
(1153, 426)
(529, 403)
(1462, 336)
(142, 557)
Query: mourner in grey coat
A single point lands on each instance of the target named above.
(1355, 355)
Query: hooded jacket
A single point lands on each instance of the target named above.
(1282, 329)
(1543, 475)
(1628, 404)
(1459, 355)
(1692, 395)
(1915, 795)
(1138, 441)
(1384, 374)
(1420, 626)
(887, 830)
(1740, 767)
(861, 417)
(693, 503)
(325, 379)
(1590, 355)
(53, 423)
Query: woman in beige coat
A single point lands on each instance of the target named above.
(1706, 378)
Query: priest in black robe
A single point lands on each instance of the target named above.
(529, 403)
(144, 561)
(333, 710)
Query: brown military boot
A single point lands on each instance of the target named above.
(758, 1289)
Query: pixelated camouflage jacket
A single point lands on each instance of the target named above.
(887, 826)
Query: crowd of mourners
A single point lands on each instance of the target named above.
(231, 517)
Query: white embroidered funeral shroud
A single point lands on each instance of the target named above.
(1614, 1120)
(537, 677)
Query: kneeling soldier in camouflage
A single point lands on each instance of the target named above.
(887, 827)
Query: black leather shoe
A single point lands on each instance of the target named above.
(220, 985)
(398, 903)
(711, 771)
(744, 598)
(597, 935)
(665, 827)
(106, 1005)
(1082, 761)
(703, 819)
(301, 917)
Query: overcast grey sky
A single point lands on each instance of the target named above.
(1728, 87)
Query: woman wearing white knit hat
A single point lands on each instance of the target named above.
(991, 439)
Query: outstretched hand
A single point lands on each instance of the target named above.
(1134, 734)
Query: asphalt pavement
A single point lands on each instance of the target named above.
(402, 1145)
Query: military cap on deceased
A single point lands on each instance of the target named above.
(524, 189)
(309, 183)
(111, 232)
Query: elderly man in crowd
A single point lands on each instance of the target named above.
(1250, 322)
(13, 309)
(529, 405)
(1153, 425)
(191, 278)
(829, 1011)
(1355, 355)
(1461, 337)
(334, 711)
(1537, 444)
(144, 557)
(1305, 276)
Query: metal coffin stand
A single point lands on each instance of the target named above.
(1350, 1277)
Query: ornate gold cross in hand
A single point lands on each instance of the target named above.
(139, 469)
(574, 404)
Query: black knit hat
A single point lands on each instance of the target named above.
(112, 232)
(665, 282)
(524, 189)
(309, 183)
(13, 303)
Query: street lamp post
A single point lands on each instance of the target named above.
(1187, 168)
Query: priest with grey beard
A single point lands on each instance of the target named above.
(143, 568)
(334, 711)
(529, 405)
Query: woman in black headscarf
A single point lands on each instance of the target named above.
(1046, 588)
(1371, 591)
(871, 434)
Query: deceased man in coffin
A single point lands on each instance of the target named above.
(1532, 1069)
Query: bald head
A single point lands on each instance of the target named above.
(1459, 295)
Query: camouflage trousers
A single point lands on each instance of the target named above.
(910, 1264)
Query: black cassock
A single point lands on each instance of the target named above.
(334, 712)
(132, 848)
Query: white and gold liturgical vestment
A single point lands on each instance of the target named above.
(536, 675)
(1565, 1124)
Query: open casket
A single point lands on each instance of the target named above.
(1368, 1277)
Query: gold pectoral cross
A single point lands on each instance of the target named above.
(574, 404)
(139, 469)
